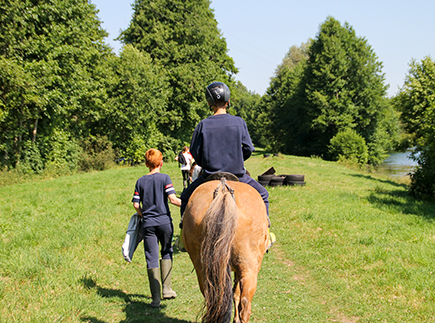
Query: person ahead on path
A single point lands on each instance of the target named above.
(150, 200)
(185, 167)
(221, 143)
(195, 171)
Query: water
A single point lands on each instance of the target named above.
(398, 164)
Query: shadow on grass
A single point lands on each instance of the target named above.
(399, 199)
(137, 306)
(380, 180)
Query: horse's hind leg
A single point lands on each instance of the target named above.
(199, 274)
(236, 297)
(248, 286)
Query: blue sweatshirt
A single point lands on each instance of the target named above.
(221, 143)
(152, 191)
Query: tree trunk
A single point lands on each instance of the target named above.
(35, 130)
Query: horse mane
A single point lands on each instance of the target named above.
(219, 229)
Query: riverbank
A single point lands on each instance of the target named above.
(398, 164)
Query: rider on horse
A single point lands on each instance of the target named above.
(221, 143)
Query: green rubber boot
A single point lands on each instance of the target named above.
(166, 271)
(155, 286)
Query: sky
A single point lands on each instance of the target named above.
(260, 33)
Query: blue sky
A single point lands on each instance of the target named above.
(260, 33)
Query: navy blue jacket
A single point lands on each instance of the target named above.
(221, 143)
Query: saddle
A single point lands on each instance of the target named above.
(220, 175)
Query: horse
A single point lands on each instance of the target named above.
(225, 228)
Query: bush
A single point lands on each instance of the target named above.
(423, 179)
(63, 153)
(13, 176)
(350, 146)
(97, 154)
(30, 160)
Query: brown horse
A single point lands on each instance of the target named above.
(225, 229)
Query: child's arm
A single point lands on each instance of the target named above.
(137, 207)
(174, 200)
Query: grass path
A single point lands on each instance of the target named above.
(352, 247)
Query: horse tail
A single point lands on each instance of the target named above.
(219, 228)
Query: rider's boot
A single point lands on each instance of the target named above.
(271, 236)
(179, 242)
(271, 240)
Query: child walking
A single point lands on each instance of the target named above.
(150, 200)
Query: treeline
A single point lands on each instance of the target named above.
(328, 99)
(67, 102)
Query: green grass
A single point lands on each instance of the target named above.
(352, 247)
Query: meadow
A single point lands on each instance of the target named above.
(352, 247)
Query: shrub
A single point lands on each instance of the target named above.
(30, 160)
(63, 153)
(97, 154)
(350, 146)
(13, 176)
(423, 179)
(137, 148)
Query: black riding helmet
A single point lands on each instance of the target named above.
(217, 92)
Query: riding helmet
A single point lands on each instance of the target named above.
(217, 92)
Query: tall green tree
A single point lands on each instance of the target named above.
(181, 36)
(345, 87)
(246, 105)
(283, 101)
(137, 97)
(338, 85)
(51, 51)
(416, 101)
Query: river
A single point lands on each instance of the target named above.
(398, 164)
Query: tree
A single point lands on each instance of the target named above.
(51, 50)
(344, 86)
(282, 103)
(245, 104)
(137, 99)
(416, 101)
(181, 36)
(336, 84)
(19, 103)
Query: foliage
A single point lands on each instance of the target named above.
(282, 113)
(61, 84)
(31, 160)
(63, 153)
(50, 52)
(182, 37)
(416, 101)
(245, 104)
(350, 146)
(97, 154)
(137, 99)
(326, 86)
(423, 178)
